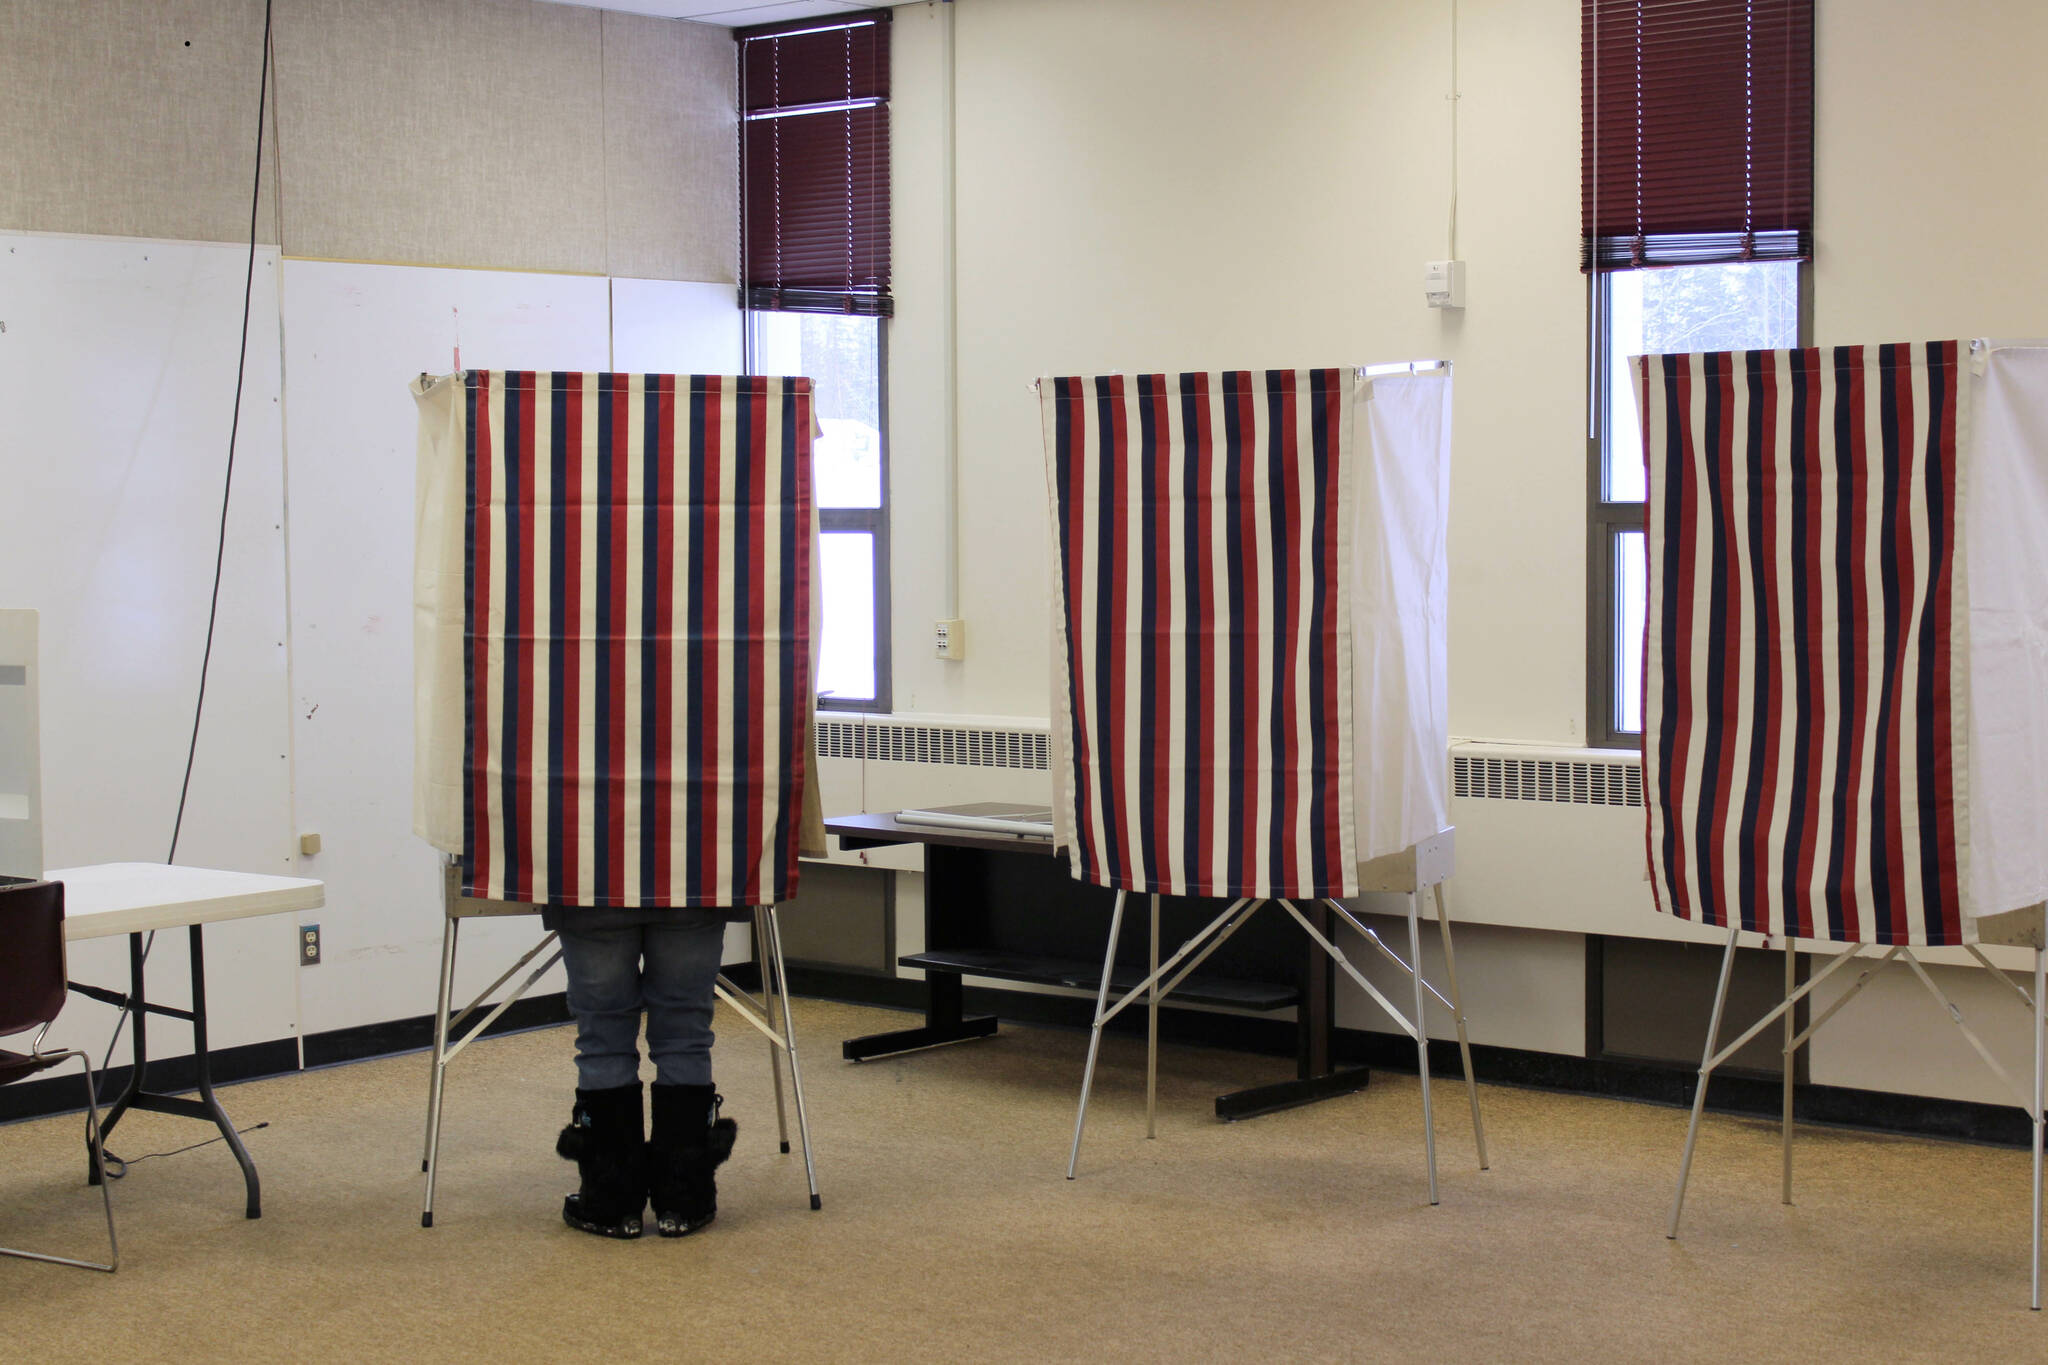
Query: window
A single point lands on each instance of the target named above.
(1651, 312)
(1697, 195)
(814, 246)
(843, 355)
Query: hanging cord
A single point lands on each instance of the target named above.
(221, 542)
(234, 430)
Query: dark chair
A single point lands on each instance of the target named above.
(32, 990)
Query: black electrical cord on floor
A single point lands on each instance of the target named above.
(227, 490)
(117, 1167)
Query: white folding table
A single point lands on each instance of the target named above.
(140, 898)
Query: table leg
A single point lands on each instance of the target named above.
(945, 1021)
(950, 873)
(1317, 1077)
(139, 1045)
(203, 1063)
(136, 1094)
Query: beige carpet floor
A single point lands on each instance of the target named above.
(948, 1232)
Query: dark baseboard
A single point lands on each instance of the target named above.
(62, 1091)
(1614, 1078)
(411, 1035)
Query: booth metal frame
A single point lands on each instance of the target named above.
(451, 1037)
(1879, 958)
(1423, 867)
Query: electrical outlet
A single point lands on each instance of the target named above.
(309, 945)
(950, 637)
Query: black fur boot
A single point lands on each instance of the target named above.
(690, 1142)
(603, 1139)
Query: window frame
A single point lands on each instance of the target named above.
(1606, 518)
(874, 521)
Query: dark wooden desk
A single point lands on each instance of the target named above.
(1004, 907)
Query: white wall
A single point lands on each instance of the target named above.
(1160, 184)
(1165, 185)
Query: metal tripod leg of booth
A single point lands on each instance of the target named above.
(1421, 1036)
(1157, 985)
(1116, 924)
(1152, 1032)
(1411, 965)
(1443, 925)
(435, 1072)
(1161, 979)
(796, 1076)
(768, 988)
(1699, 1092)
(782, 1037)
(1712, 1058)
(445, 1029)
(1785, 1127)
(1412, 1027)
(2036, 1000)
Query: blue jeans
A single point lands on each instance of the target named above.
(623, 961)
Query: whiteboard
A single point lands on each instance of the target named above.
(675, 327)
(354, 336)
(117, 377)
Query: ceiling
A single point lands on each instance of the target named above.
(732, 13)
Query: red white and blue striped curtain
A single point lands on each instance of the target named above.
(635, 624)
(1805, 678)
(1201, 530)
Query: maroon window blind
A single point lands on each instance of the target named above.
(1697, 121)
(814, 164)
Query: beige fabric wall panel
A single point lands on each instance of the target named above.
(456, 132)
(671, 143)
(129, 119)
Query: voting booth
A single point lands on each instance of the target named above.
(614, 651)
(1845, 728)
(1249, 593)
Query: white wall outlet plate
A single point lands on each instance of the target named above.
(1443, 283)
(950, 638)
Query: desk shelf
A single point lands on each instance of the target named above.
(1080, 974)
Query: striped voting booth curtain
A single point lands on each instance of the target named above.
(1805, 694)
(1201, 529)
(636, 671)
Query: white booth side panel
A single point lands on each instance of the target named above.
(1400, 602)
(2006, 553)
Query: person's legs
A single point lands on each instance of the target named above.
(689, 1139)
(603, 963)
(682, 955)
(604, 1136)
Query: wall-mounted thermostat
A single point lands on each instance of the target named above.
(1443, 283)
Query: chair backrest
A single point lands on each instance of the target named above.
(32, 972)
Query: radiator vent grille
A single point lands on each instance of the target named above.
(1574, 782)
(959, 745)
